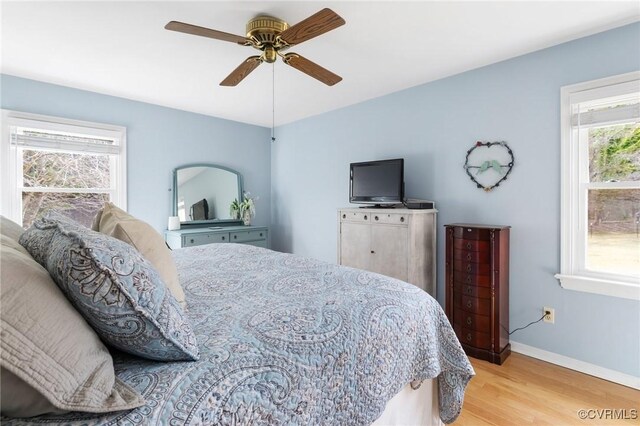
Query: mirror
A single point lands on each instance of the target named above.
(203, 193)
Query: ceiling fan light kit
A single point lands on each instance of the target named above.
(271, 36)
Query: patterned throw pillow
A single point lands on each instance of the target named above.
(116, 289)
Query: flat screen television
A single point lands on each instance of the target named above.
(377, 182)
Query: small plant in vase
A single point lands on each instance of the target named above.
(244, 209)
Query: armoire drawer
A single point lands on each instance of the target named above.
(472, 304)
(472, 290)
(472, 279)
(391, 218)
(471, 268)
(472, 321)
(199, 239)
(471, 256)
(470, 245)
(471, 233)
(473, 338)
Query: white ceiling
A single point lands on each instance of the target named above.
(122, 48)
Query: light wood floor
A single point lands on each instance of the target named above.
(527, 391)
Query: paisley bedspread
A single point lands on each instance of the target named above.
(288, 340)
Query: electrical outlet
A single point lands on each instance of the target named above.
(550, 316)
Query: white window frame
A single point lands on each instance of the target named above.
(573, 273)
(10, 195)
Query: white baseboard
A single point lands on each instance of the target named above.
(577, 365)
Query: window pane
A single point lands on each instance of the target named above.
(614, 153)
(63, 170)
(80, 207)
(613, 243)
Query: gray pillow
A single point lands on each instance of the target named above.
(116, 289)
(10, 229)
(51, 360)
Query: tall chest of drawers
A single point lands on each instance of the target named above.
(477, 288)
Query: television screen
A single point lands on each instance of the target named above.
(377, 182)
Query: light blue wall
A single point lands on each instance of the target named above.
(158, 140)
(432, 126)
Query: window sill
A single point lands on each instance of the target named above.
(619, 289)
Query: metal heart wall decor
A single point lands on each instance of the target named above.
(492, 163)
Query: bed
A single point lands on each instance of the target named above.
(286, 339)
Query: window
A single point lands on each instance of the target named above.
(68, 165)
(600, 245)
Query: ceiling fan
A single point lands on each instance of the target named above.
(272, 36)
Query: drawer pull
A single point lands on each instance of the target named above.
(222, 238)
(469, 321)
(365, 217)
(373, 252)
(376, 218)
(235, 237)
(344, 216)
(469, 229)
(468, 280)
(191, 240)
(261, 234)
(469, 304)
(468, 246)
(469, 289)
(469, 268)
(468, 337)
(469, 256)
(401, 218)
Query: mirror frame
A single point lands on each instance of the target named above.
(204, 223)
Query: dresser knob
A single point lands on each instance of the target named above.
(468, 280)
(344, 216)
(469, 256)
(469, 321)
(376, 218)
(261, 234)
(468, 246)
(468, 337)
(235, 237)
(469, 304)
(468, 229)
(373, 252)
(365, 217)
(401, 218)
(222, 238)
(469, 268)
(469, 289)
(191, 240)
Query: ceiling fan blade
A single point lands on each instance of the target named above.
(311, 68)
(243, 70)
(315, 25)
(205, 32)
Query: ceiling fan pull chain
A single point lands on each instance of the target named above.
(273, 102)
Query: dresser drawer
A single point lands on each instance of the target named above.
(199, 239)
(473, 338)
(472, 321)
(472, 279)
(470, 245)
(471, 233)
(472, 304)
(471, 268)
(392, 218)
(472, 290)
(243, 236)
(471, 256)
(355, 217)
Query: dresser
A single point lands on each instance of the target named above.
(188, 237)
(399, 243)
(477, 288)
